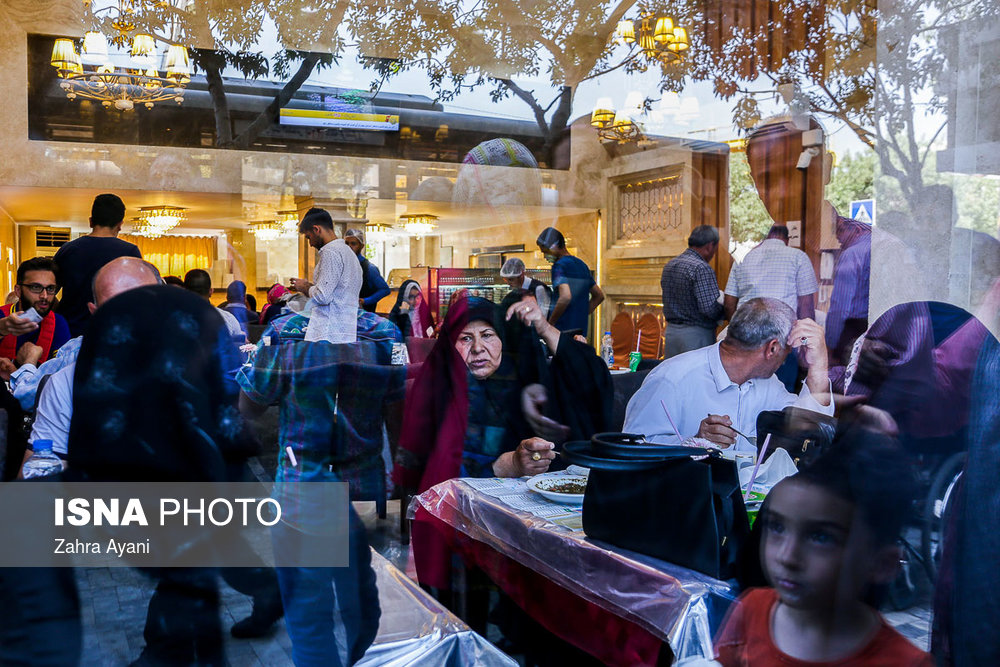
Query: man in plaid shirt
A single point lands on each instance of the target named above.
(691, 295)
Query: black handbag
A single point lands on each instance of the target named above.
(804, 433)
(664, 501)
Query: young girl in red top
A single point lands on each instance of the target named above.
(829, 536)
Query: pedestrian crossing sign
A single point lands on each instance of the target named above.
(863, 210)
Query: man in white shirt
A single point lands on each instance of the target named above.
(336, 282)
(774, 270)
(712, 392)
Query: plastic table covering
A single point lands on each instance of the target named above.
(675, 604)
(416, 630)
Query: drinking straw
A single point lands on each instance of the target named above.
(669, 419)
(638, 339)
(760, 457)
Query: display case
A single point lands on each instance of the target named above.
(442, 284)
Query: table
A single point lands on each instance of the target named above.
(416, 630)
(617, 605)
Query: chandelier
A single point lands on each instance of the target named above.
(659, 38)
(377, 231)
(418, 224)
(289, 221)
(148, 76)
(142, 228)
(614, 125)
(154, 221)
(268, 230)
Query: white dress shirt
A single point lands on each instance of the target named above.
(336, 286)
(694, 384)
(773, 270)
(55, 409)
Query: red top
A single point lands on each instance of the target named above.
(745, 640)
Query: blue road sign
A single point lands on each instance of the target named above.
(863, 210)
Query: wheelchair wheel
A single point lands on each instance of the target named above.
(936, 509)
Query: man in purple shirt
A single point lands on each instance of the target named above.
(847, 317)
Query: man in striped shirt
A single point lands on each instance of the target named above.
(777, 271)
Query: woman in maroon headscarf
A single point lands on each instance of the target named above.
(484, 394)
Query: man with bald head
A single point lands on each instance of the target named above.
(55, 405)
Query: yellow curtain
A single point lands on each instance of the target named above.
(176, 255)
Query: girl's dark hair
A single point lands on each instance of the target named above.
(871, 472)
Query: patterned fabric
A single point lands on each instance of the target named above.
(331, 405)
(24, 381)
(336, 286)
(501, 153)
(371, 327)
(152, 398)
(774, 270)
(690, 291)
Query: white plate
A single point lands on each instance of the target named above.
(539, 485)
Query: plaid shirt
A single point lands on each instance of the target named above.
(331, 406)
(774, 270)
(690, 291)
(371, 327)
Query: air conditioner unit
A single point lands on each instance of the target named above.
(43, 241)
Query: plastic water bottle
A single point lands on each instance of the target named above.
(42, 462)
(607, 349)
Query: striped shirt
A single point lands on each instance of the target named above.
(774, 270)
(849, 299)
(690, 291)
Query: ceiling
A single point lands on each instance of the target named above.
(210, 213)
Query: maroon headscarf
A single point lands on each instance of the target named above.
(434, 423)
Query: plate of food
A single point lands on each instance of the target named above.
(565, 489)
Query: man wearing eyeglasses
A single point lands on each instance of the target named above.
(31, 332)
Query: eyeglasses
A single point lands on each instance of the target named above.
(36, 288)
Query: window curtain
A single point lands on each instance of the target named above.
(176, 255)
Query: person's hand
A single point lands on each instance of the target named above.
(533, 400)
(7, 368)
(300, 285)
(28, 354)
(361, 303)
(529, 313)
(809, 339)
(533, 456)
(15, 325)
(716, 429)
(873, 363)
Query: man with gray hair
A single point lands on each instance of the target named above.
(373, 285)
(691, 294)
(713, 392)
